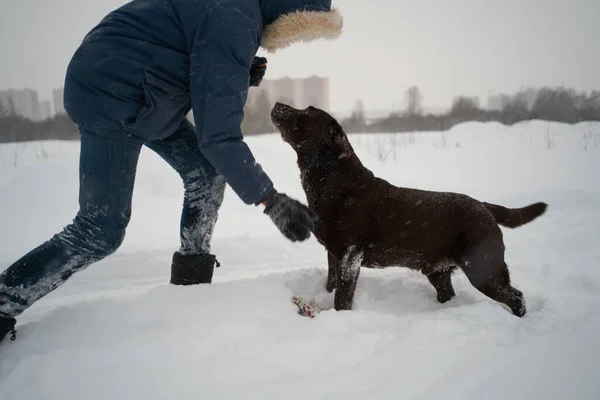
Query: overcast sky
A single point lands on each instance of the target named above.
(447, 47)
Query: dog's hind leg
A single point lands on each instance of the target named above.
(331, 273)
(347, 276)
(442, 282)
(493, 280)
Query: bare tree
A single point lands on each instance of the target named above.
(359, 110)
(357, 121)
(514, 109)
(464, 106)
(12, 110)
(589, 108)
(413, 98)
(556, 105)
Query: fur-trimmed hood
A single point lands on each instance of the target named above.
(291, 21)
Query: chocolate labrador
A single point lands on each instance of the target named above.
(364, 221)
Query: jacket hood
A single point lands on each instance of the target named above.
(273, 9)
(289, 21)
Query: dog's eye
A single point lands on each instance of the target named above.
(334, 131)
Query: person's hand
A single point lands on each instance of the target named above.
(292, 218)
(257, 70)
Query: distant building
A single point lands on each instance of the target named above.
(45, 110)
(315, 92)
(5, 102)
(255, 92)
(285, 90)
(22, 102)
(299, 93)
(58, 96)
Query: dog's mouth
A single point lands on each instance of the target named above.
(280, 111)
(280, 116)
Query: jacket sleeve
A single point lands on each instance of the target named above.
(220, 58)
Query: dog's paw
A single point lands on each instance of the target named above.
(445, 297)
(307, 306)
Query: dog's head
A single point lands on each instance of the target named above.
(311, 131)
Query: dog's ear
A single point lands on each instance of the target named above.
(340, 141)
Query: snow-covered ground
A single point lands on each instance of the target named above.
(119, 331)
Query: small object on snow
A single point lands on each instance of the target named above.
(307, 306)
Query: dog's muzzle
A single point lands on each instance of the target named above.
(280, 112)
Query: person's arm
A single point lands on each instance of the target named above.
(220, 62)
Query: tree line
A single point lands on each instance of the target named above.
(15, 128)
(551, 104)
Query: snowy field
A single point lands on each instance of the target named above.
(119, 331)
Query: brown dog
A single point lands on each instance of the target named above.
(364, 221)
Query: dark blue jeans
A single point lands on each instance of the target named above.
(107, 173)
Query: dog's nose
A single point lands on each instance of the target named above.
(282, 108)
(279, 112)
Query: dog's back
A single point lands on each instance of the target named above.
(405, 227)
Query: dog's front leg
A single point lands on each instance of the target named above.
(332, 272)
(347, 277)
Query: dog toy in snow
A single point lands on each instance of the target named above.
(307, 306)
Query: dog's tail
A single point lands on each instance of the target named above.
(515, 217)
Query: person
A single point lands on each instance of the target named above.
(132, 82)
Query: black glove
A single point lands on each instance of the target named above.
(257, 70)
(294, 219)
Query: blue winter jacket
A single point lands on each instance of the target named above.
(141, 70)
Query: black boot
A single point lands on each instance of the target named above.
(7, 325)
(192, 269)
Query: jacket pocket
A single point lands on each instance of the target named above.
(165, 107)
